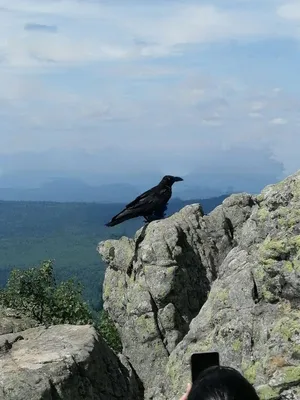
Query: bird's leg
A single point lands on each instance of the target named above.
(146, 219)
(160, 213)
(150, 218)
(156, 215)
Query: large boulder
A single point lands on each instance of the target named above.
(63, 362)
(227, 282)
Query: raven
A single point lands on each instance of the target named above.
(150, 204)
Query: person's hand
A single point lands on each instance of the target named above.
(188, 389)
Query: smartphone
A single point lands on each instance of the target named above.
(201, 361)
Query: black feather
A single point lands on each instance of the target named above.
(151, 204)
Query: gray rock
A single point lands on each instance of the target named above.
(13, 321)
(157, 283)
(228, 282)
(63, 362)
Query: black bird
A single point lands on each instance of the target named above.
(151, 204)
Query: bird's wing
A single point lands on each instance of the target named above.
(141, 197)
(151, 201)
(154, 200)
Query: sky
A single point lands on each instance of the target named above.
(170, 86)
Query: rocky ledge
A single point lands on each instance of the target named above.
(63, 362)
(228, 282)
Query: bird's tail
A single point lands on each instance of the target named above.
(121, 217)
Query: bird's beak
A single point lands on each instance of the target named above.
(177, 179)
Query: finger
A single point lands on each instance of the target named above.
(185, 396)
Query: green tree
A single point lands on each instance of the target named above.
(35, 292)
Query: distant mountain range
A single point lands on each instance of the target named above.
(71, 190)
(112, 175)
(76, 190)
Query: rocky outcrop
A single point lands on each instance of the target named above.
(13, 321)
(228, 282)
(63, 362)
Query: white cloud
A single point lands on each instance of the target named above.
(79, 37)
(35, 105)
(105, 63)
(290, 11)
(278, 121)
(255, 115)
(34, 49)
(198, 24)
(258, 105)
(213, 121)
(90, 31)
(65, 8)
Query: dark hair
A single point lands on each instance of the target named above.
(222, 383)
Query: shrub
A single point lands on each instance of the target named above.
(108, 331)
(35, 293)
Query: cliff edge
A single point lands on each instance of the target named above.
(228, 282)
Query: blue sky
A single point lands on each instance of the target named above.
(164, 85)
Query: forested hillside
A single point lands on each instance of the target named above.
(68, 233)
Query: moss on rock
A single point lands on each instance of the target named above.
(287, 326)
(287, 375)
(250, 371)
(263, 214)
(266, 392)
(237, 345)
(222, 295)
